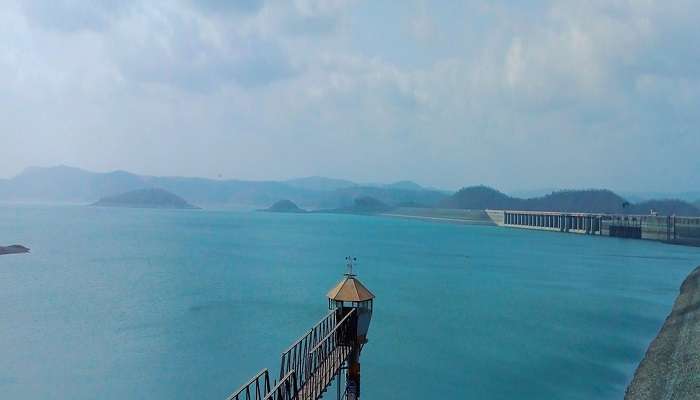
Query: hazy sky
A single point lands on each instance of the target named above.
(513, 94)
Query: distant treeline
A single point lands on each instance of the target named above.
(591, 201)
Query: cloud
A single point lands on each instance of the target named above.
(314, 17)
(422, 25)
(73, 15)
(228, 6)
(185, 53)
(469, 93)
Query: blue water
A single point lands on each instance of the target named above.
(135, 304)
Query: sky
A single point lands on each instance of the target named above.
(512, 94)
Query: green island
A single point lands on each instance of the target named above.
(284, 206)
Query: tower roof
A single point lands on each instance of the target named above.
(350, 289)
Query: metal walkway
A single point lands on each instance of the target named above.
(309, 365)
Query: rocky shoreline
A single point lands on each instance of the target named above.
(671, 366)
(14, 249)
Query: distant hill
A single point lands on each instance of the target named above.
(392, 197)
(368, 204)
(689, 196)
(66, 184)
(285, 206)
(319, 183)
(478, 198)
(145, 198)
(404, 185)
(361, 205)
(592, 201)
(530, 193)
(329, 184)
(667, 207)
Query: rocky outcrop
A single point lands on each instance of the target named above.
(671, 367)
(14, 249)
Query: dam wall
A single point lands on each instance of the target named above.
(686, 230)
(497, 217)
(671, 229)
(584, 223)
(470, 217)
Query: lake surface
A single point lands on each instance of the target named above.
(136, 304)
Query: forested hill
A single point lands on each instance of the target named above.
(593, 201)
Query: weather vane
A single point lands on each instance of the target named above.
(350, 262)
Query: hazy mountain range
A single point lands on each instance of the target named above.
(64, 184)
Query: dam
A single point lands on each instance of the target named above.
(670, 229)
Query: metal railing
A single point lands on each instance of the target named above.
(256, 389)
(325, 359)
(286, 389)
(294, 358)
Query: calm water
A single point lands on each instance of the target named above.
(135, 304)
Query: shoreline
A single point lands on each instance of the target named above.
(466, 217)
(670, 368)
(441, 219)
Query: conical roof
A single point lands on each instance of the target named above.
(350, 289)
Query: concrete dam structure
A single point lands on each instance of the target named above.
(671, 229)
